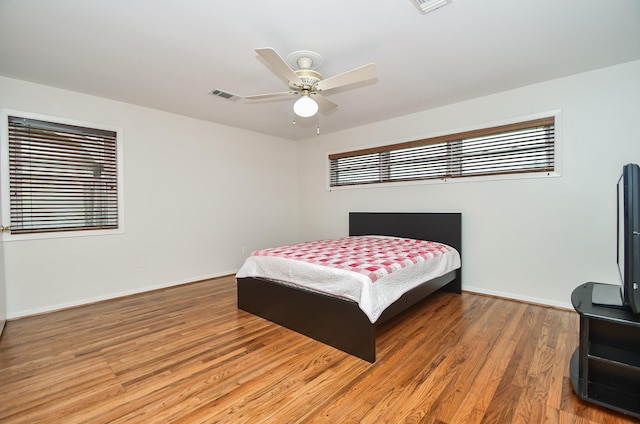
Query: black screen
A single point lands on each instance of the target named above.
(629, 235)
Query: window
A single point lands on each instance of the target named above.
(522, 147)
(61, 177)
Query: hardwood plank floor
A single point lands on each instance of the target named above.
(187, 354)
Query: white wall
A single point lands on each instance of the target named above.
(530, 239)
(196, 193)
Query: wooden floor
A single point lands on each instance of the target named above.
(187, 355)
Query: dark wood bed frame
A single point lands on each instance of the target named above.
(339, 322)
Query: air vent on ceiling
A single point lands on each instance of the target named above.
(224, 94)
(427, 6)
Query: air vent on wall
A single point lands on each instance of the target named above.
(224, 94)
(427, 6)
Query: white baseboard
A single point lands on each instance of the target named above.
(81, 302)
(86, 301)
(527, 299)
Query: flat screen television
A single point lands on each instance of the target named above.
(629, 235)
(626, 295)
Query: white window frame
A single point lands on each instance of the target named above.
(4, 177)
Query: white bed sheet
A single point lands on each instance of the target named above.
(372, 298)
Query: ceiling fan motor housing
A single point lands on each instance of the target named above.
(309, 79)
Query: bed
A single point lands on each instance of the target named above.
(340, 322)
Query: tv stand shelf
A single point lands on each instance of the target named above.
(605, 368)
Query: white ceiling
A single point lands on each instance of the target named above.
(169, 55)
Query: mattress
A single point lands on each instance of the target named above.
(373, 271)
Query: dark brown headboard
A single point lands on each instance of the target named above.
(441, 227)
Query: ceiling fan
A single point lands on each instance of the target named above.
(305, 82)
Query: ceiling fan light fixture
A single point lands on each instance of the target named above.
(305, 106)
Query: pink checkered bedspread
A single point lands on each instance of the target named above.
(373, 257)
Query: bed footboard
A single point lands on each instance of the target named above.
(337, 322)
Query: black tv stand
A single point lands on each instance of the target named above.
(605, 368)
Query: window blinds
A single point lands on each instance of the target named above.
(507, 149)
(61, 177)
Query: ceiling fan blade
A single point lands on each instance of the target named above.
(270, 95)
(278, 65)
(323, 103)
(363, 73)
